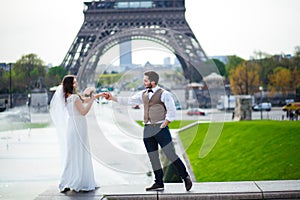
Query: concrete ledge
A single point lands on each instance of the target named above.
(176, 191)
(280, 189)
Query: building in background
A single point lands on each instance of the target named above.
(125, 54)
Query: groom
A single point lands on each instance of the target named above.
(159, 111)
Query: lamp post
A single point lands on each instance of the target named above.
(29, 104)
(261, 93)
(228, 102)
(10, 86)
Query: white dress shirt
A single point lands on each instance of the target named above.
(166, 98)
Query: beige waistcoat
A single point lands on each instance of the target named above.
(154, 108)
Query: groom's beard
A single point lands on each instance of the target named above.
(149, 86)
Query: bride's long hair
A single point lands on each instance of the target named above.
(68, 86)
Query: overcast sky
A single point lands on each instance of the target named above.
(222, 27)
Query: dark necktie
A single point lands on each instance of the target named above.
(150, 91)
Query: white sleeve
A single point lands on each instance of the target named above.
(168, 100)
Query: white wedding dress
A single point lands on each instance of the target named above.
(78, 173)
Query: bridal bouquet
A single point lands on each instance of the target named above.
(89, 91)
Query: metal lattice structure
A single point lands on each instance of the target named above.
(111, 22)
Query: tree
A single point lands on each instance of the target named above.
(108, 79)
(244, 79)
(4, 81)
(266, 63)
(296, 58)
(259, 55)
(296, 71)
(55, 76)
(280, 80)
(221, 67)
(295, 79)
(233, 62)
(27, 71)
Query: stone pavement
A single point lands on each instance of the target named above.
(29, 161)
(210, 190)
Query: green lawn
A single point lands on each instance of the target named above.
(176, 124)
(246, 150)
(18, 126)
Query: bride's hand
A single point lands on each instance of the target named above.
(99, 95)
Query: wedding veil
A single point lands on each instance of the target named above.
(59, 116)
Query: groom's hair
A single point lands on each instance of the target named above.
(153, 76)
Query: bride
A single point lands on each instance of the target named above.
(68, 110)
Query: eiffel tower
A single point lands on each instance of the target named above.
(111, 22)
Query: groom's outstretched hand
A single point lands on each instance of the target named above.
(108, 95)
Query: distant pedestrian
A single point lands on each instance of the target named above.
(291, 115)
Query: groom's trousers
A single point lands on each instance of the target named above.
(154, 136)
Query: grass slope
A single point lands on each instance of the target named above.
(246, 150)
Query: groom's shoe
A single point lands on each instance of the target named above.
(188, 183)
(155, 187)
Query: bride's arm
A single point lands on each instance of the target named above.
(84, 109)
(87, 99)
(84, 99)
(99, 95)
